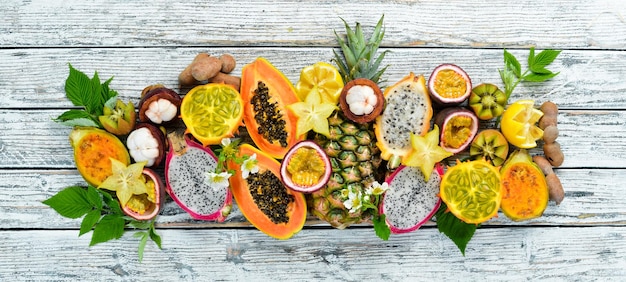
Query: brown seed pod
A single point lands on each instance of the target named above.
(550, 113)
(555, 188)
(185, 77)
(553, 153)
(221, 77)
(205, 68)
(228, 63)
(550, 133)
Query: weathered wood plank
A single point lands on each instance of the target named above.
(596, 24)
(30, 139)
(35, 78)
(592, 198)
(582, 254)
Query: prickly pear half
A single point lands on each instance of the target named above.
(524, 187)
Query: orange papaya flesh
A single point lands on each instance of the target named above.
(93, 150)
(266, 93)
(264, 200)
(524, 188)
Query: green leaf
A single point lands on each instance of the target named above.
(89, 221)
(107, 92)
(95, 100)
(110, 202)
(94, 197)
(110, 103)
(542, 59)
(512, 63)
(381, 228)
(140, 224)
(70, 202)
(154, 236)
(73, 114)
(531, 56)
(458, 231)
(110, 227)
(81, 122)
(539, 77)
(142, 243)
(78, 87)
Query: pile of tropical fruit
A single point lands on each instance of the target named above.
(334, 145)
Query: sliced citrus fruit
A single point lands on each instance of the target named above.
(212, 112)
(518, 124)
(320, 78)
(472, 191)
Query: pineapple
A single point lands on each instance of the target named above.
(351, 147)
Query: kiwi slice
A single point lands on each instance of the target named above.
(487, 101)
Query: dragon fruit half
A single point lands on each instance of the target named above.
(185, 170)
(410, 201)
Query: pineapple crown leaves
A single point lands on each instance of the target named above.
(358, 54)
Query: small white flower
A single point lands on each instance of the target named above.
(353, 203)
(249, 166)
(217, 180)
(377, 188)
(226, 142)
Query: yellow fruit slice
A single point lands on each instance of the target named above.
(212, 112)
(472, 191)
(518, 124)
(320, 78)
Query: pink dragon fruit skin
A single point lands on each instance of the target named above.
(185, 182)
(408, 184)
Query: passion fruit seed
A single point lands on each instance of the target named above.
(449, 84)
(458, 127)
(457, 131)
(268, 116)
(270, 195)
(306, 167)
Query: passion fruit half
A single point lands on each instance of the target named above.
(147, 206)
(458, 127)
(306, 168)
(449, 85)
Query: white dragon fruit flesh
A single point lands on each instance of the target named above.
(185, 174)
(410, 201)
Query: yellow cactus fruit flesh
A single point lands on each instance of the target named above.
(524, 188)
(472, 191)
(93, 150)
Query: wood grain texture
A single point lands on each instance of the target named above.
(147, 42)
(596, 24)
(599, 145)
(511, 254)
(35, 78)
(591, 198)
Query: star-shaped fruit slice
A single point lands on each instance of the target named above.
(125, 181)
(425, 152)
(312, 114)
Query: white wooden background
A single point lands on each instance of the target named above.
(146, 42)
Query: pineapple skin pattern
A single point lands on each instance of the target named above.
(351, 147)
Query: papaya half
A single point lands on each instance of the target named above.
(266, 93)
(263, 198)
